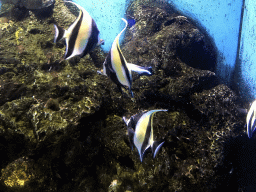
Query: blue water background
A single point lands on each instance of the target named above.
(248, 51)
(107, 15)
(221, 19)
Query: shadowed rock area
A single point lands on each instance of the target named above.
(61, 126)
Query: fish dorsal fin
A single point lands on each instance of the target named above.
(115, 45)
(116, 41)
(82, 10)
(78, 6)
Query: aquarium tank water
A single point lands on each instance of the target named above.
(231, 25)
(79, 115)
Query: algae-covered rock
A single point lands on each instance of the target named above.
(18, 174)
(61, 126)
(30, 4)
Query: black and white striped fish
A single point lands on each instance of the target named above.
(142, 137)
(251, 119)
(118, 70)
(81, 37)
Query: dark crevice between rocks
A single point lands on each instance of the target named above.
(206, 82)
(6, 60)
(199, 55)
(55, 66)
(19, 13)
(237, 168)
(160, 100)
(35, 31)
(13, 146)
(11, 91)
(43, 13)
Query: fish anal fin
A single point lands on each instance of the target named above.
(156, 146)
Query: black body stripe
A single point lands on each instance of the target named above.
(134, 120)
(125, 67)
(111, 73)
(253, 126)
(93, 39)
(250, 122)
(132, 123)
(147, 135)
(137, 117)
(73, 37)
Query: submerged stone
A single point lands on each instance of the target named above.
(30, 4)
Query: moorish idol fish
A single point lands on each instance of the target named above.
(142, 137)
(118, 70)
(81, 37)
(250, 119)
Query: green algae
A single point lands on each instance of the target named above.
(17, 174)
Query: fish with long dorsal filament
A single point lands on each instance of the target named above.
(118, 70)
(81, 37)
(140, 132)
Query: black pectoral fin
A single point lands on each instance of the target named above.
(156, 146)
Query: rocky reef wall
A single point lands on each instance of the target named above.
(61, 126)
